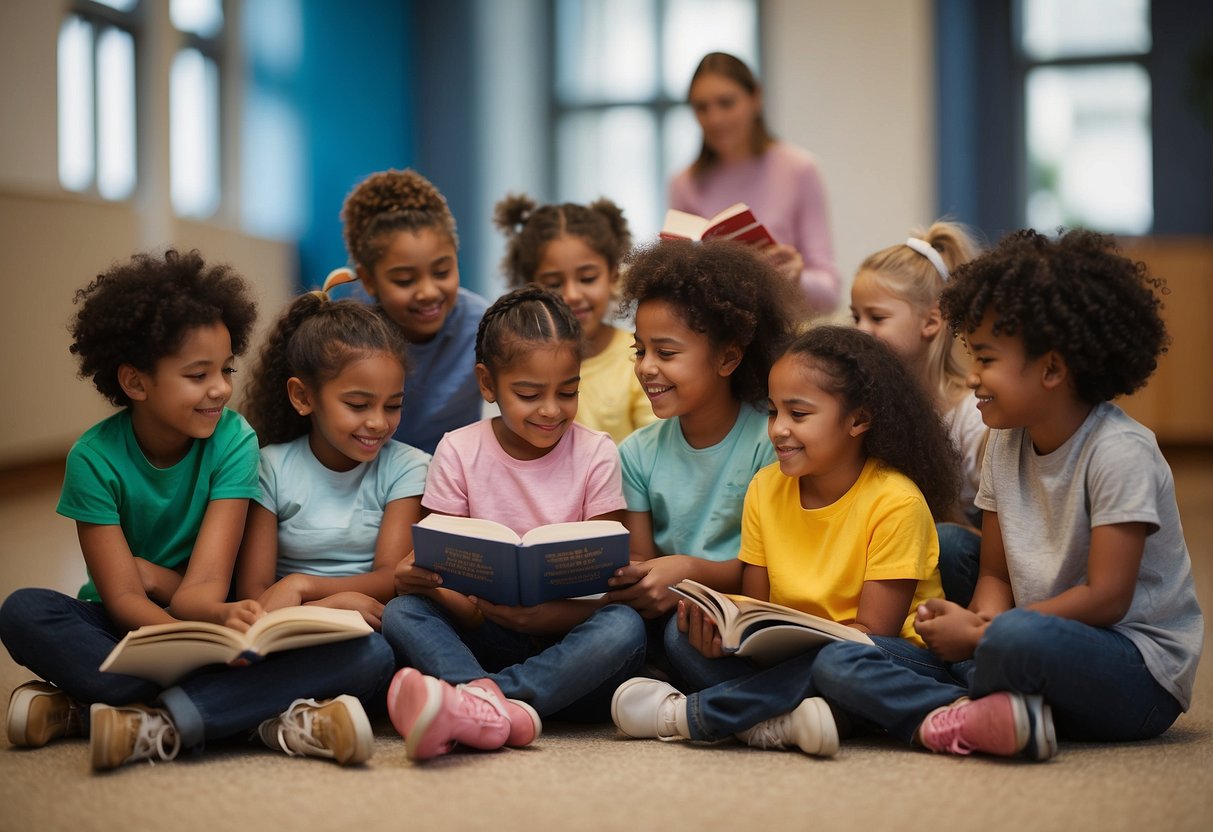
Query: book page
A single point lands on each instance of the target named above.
(470, 527)
(584, 530)
(682, 224)
(287, 627)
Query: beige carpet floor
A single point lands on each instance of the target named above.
(590, 778)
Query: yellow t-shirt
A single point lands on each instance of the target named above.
(818, 559)
(611, 398)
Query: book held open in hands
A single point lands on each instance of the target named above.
(737, 222)
(164, 653)
(761, 630)
(488, 560)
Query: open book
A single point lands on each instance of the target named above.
(761, 630)
(488, 560)
(165, 653)
(737, 222)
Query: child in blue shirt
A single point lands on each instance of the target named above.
(159, 493)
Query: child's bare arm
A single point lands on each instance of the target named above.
(258, 559)
(992, 594)
(202, 595)
(884, 605)
(115, 572)
(640, 529)
(1112, 566)
(650, 594)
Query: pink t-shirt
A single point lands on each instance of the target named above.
(471, 476)
(785, 191)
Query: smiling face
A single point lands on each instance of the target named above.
(1010, 388)
(353, 414)
(679, 369)
(726, 112)
(570, 268)
(537, 395)
(416, 281)
(906, 329)
(183, 396)
(816, 439)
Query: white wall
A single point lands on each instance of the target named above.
(853, 83)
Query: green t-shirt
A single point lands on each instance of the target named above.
(109, 482)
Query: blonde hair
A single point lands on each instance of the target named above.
(907, 274)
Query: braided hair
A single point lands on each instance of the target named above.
(313, 340)
(522, 318)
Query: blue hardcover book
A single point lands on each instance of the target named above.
(488, 560)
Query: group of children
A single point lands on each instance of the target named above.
(1007, 538)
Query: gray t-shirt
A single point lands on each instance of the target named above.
(1110, 471)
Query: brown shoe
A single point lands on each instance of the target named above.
(127, 733)
(39, 712)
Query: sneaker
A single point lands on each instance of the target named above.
(128, 733)
(337, 729)
(809, 727)
(1003, 724)
(434, 717)
(39, 712)
(525, 726)
(647, 708)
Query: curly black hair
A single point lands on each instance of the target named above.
(530, 226)
(528, 315)
(141, 311)
(312, 340)
(1077, 295)
(727, 292)
(387, 202)
(906, 432)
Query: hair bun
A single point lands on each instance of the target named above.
(512, 213)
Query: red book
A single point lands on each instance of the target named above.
(737, 222)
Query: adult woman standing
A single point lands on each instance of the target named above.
(741, 162)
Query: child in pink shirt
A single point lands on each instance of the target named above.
(482, 674)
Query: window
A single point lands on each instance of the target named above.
(1087, 114)
(96, 104)
(622, 71)
(194, 108)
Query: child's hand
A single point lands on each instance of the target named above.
(411, 579)
(950, 631)
(240, 615)
(288, 592)
(530, 620)
(700, 630)
(649, 591)
(371, 609)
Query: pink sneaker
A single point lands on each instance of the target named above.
(1003, 724)
(434, 717)
(525, 726)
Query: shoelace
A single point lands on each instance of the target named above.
(484, 705)
(945, 729)
(154, 728)
(769, 733)
(294, 730)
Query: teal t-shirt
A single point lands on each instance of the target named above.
(695, 495)
(109, 482)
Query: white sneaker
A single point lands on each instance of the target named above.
(647, 708)
(809, 727)
(337, 729)
(120, 735)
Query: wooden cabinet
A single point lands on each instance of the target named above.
(1177, 402)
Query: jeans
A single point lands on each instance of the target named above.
(732, 694)
(1093, 678)
(64, 641)
(959, 555)
(571, 677)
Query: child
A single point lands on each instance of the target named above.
(1085, 616)
(575, 252)
(840, 527)
(339, 496)
(159, 493)
(710, 320)
(895, 297)
(527, 467)
(401, 236)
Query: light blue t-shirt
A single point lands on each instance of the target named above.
(440, 389)
(328, 521)
(695, 495)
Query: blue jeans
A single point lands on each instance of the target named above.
(959, 556)
(571, 677)
(1093, 678)
(64, 641)
(732, 694)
